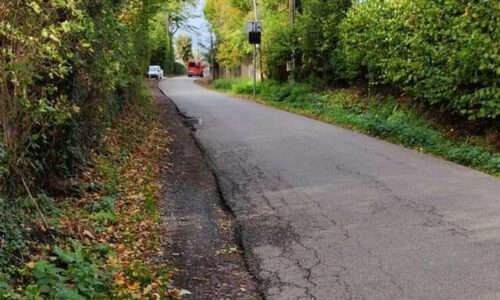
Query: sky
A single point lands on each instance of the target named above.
(201, 34)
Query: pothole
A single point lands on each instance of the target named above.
(193, 123)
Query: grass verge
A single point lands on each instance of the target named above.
(103, 241)
(385, 117)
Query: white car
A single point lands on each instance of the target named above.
(155, 72)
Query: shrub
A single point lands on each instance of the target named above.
(277, 42)
(224, 84)
(244, 86)
(179, 69)
(317, 35)
(445, 53)
(65, 68)
(276, 92)
(21, 223)
(70, 274)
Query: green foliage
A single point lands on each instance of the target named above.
(103, 213)
(442, 53)
(228, 21)
(71, 273)
(150, 203)
(20, 223)
(65, 68)
(277, 43)
(224, 84)
(313, 38)
(445, 53)
(243, 87)
(237, 86)
(171, 16)
(3, 160)
(106, 204)
(386, 118)
(184, 47)
(107, 170)
(162, 50)
(317, 35)
(179, 69)
(39, 258)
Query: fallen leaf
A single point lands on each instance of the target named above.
(88, 234)
(134, 286)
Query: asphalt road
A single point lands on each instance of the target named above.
(327, 213)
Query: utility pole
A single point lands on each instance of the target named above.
(212, 57)
(255, 51)
(199, 46)
(292, 23)
(169, 65)
(254, 30)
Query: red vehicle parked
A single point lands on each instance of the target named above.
(195, 68)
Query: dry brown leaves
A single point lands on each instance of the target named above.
(136, 236)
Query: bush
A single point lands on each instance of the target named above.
(445, 53)
(70, 274)
(224, 84)
(66, 67)
(244, 86)
(276, 92)
(237, 86)
(317, 35)
(179, 69)
(277, 42)
(21, 223)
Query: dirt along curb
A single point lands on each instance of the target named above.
(200, 238)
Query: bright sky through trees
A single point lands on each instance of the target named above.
(200, 35)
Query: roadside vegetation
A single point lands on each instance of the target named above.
(443, 53)
(421, 73)
(377, 115)
(81, 149)
(103, 240)
(171, 16)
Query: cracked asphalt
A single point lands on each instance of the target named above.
(199, 239)
(327, 213)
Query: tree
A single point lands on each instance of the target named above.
(172, 16)
(58, 83)
(317, 35)
(314, 37)
(228, 18)
(184, 47)
(176, 17)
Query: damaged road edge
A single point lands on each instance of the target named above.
(194, 123)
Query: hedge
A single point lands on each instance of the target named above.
(65, 67)
(446, 52)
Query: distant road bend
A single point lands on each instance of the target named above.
(327, 213)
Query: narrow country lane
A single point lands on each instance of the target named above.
(327, 213)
